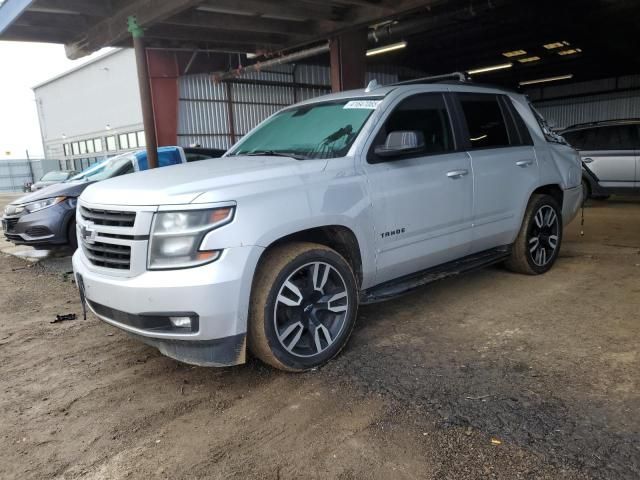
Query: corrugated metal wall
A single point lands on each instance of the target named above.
(583, 102)
(215, 115)
(15, 173)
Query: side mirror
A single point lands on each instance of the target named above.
(402, 142)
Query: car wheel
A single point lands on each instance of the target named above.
(72, 237)
(303, 306)
(538, 243)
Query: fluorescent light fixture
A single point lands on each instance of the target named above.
(554, 45)
(548, 79)
(569, 51)
(386, 48)
(492, 68)
(514, 53)
(534, 58)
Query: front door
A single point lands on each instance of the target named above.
(422, 202)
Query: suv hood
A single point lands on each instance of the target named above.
(64, 189)
(222, 179)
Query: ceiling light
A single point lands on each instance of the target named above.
(502, 66)
(529, 59)
(569, 51)
(548, 79)
(386, 48)
(554, 45)
(514, 53)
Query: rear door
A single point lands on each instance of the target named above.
(610, 153)
(505, 168)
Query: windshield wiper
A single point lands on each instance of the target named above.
(273, 153)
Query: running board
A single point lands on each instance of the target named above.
(393, 288)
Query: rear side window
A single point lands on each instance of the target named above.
(485, 121)
(518, 131)
(427, 113)
(615, 137)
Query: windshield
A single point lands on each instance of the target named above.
(319, 130)
(54, 177)
(108, 168)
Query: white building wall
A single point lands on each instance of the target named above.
(96, 100)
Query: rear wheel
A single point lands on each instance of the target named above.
(538, 243)
(303, 306)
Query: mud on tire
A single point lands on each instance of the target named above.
(303, 307)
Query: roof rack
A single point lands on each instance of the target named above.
(458, 76)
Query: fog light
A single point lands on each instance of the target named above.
(180, 322)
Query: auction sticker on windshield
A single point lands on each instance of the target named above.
(366, 104)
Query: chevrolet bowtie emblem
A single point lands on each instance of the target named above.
(87, 233)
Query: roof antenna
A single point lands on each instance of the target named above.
(372, 85)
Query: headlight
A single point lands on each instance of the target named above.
(176, 237)
(40, 204)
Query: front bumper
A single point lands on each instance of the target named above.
(572, 201)
(44, 227)
(218, 293)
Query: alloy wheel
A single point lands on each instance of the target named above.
(543, 237)
(311, 309)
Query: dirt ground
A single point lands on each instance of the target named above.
(487, 375)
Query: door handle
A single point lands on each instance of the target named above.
(453, 174)
(587, 160)
(524, 163)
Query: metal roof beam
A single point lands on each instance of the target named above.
(92, 8)
(204, 36)
(113, 29)
(225, 21)
(283, 9)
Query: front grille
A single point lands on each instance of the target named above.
(108, 255)
(109, 218)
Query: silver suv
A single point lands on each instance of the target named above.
(610, 153)
(341, 200)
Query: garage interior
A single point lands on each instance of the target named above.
(467, 378)
(573, 57)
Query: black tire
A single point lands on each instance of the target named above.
(270, 318)
(532, 252)
(72, 237)
(586, 190)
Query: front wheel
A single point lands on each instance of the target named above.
(538, 243)
(72, 236)
(303, 306)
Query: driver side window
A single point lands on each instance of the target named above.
(426, 113)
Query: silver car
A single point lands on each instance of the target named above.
(51, 178)
(610, 153)
(341, 200)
